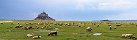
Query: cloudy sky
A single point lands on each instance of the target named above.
(82, 10)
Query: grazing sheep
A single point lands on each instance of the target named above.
(98, 25)
(109, 24)
(10, 30)
(94, 24)
(132, 23)
(35, 23)
(128, 36)
(115, 27)
(18, 26)
(18, 23)
(38, 23)
(33, 36)
(110, 27)
(118, 25)
(79, 26)
(136, 25)
(42, 27)
(28, 27)
(27, 23)
(30, 23)
(67, 24)
(88, 29)
(37, 27)
(30, 35)
(1, 23)
(36, 37)
(53, 33)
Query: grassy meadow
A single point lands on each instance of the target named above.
(75, 30)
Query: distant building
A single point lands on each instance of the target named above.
(106, 20)
(44, 16)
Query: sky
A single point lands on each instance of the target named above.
(69, 10)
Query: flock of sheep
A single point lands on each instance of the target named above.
(34, 36)
(54, 33)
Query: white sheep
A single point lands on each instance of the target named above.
(30, 35)
(88, 28)
(128, 36)
(36, 37)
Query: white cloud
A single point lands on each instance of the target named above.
(117, 4)
(97, 4)
(124, 16)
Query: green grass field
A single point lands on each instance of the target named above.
(73, 32)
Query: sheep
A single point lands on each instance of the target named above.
(98, 25)
(136, 25)
(67, 24)
(94, 24)
(37, 27)
(109, 24)
(31, 23)
(36, 37)
(110, 27)
(33, 36)
(115, 27)
(18, 23)
(27, 23)
(79, 26)
(53, 33)
(38, 23)
(42, 27)
(30, 35)
(88, 29)
(28, 27)
(1, 23)
(128, 36)
(118, 25)
(18, 26)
